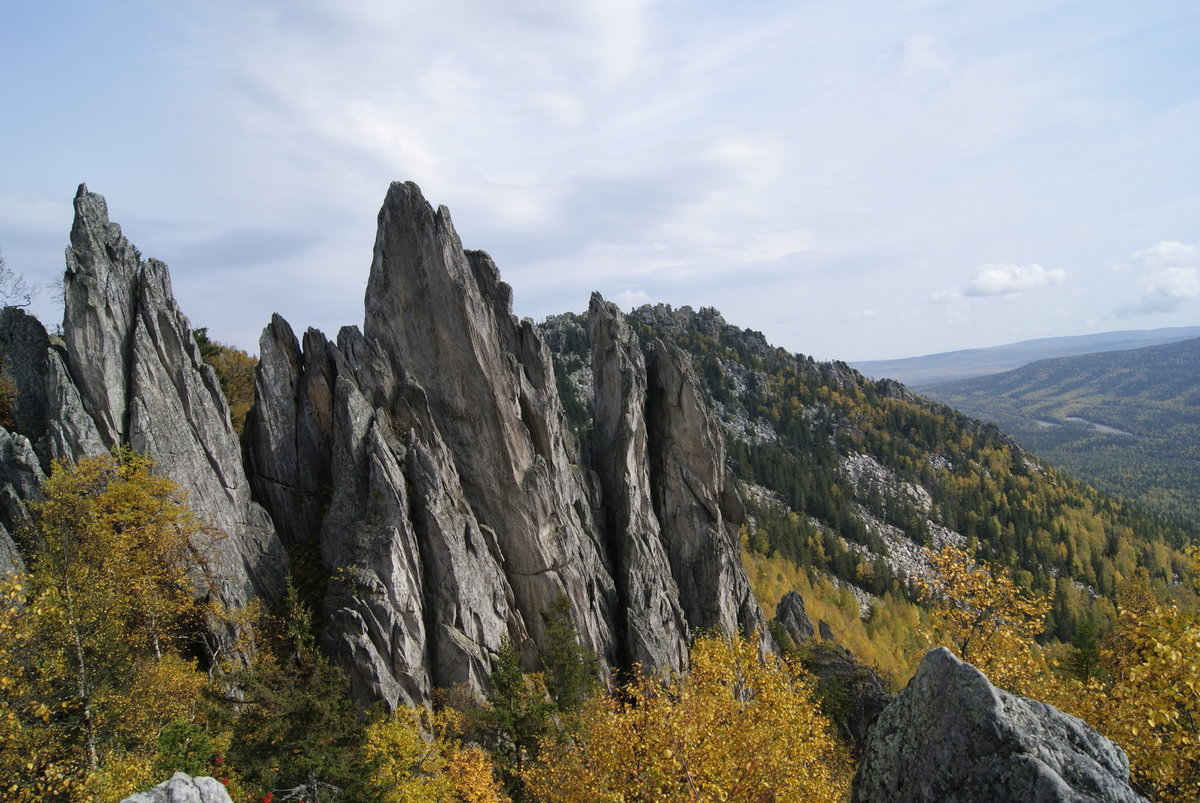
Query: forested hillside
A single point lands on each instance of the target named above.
(1125, 421)
(849, 476)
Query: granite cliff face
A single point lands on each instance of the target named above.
(429, 457)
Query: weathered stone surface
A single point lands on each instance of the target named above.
(791, 616)
(952, 736)
(48, 410)
(470, 606)
(25, 361)
(695, 499)
(655, 632)
(374, 606)
(100, 291)
(184, 789)
(20, 477)
(345, 449)
(443, 317)
(289, 432)
(71, 432)
(131, 354)
(854, 695)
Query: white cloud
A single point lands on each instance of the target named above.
(629, 299)
(1169, 277)
(1011, 280)
(1169, 253)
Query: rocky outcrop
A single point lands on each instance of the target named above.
(852, 694)
(952, 736)
(48, 408)
(346, 456)
(655, 632)
(791, 616)
(184, 789)
(289, 432)
(442, 316)
(695, 499)
(429, 457)
(128, 372)
(425, 458)
(131, 354)
(20, 477)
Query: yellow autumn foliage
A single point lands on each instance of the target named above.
(987, 619)
(414, 758)
(736, 727)
(89, 668)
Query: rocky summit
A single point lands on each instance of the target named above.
(424, 460)
(429, 457)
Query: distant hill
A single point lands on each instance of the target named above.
(1126, 421)
(953, 365)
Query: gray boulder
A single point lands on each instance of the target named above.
(952, 736)
(184, 789)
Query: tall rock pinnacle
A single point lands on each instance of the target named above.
(656, 633)
(131, 354)
(443, 316)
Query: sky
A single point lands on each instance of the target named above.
(857, 180)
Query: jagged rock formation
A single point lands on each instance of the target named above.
(444, 315)
(655, 628)
(128, 373)
(696, 499)
(429, 456)
(48, 409)
(184, 789)
(426, 458)
(952, 736)
(20, 476)
(131, 354)
(853, 695)
(344, 451)
(791, 616)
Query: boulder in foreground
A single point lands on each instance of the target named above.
(953, 736)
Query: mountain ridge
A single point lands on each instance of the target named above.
(948, 366)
